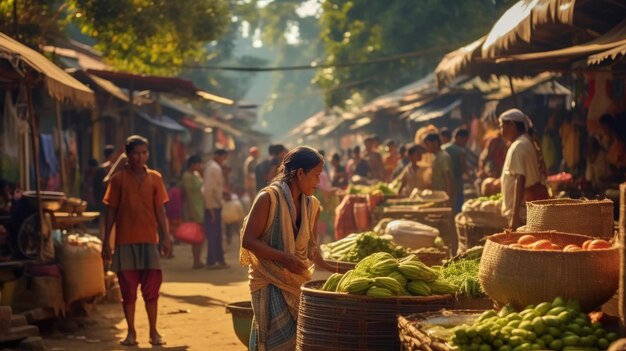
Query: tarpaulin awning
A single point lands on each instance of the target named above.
(116, 91)
(198, 116)
(60, 84)
(162, 121)
(411, 92)
(360, 123)
(435, 109)
(331, 126)
(158, 84)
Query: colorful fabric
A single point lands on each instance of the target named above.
(274, 317)
(149, 279)
(174, 208)
(193, 202)
(279, 234)
(135, 257)
(136, 202)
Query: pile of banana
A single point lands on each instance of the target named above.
(382, 275)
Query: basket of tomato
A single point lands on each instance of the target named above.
(528, 268)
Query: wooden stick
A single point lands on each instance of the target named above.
(622, 246)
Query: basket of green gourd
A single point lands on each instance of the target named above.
(357, 310)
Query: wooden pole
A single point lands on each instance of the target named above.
(513, 94)
(34, 140)
(59, 135)
(622, 247)
(131, 113)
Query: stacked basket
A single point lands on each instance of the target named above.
(338, 321)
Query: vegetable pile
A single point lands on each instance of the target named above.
(491, 204)
(379, 188)
(462, 272)
(532, 243)
(356, 247)
(382, 275)
(557, 325)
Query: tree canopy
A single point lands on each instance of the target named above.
(141, 36)
(361, 30)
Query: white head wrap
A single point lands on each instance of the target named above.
(516, 115)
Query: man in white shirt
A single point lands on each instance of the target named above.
(521, 178)
(213, 192)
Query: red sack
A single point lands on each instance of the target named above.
(190, 233)
(345, 223)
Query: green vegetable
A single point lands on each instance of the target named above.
(463, 273)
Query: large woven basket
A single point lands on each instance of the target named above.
(473, 227)
(522, 276)
(414, 336)
(588, 217)
(337, 321)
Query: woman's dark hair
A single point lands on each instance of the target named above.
(302, 157)
(134, 140)
(415, 148)
(192, 160)
(336, 156)
(432, 137)
(220, 152)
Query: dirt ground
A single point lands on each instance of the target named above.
(191, 310)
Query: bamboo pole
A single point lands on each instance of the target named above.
(35, 146)
(513, 94)
(59, 135)
(622, 245)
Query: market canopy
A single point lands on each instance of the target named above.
(158, 84)
(434, 109)
(411, 91)
(198, 116)
(162, 121)
(614, 39)
(59, 84)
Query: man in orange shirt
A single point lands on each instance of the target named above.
(135, 198)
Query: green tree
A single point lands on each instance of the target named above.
(141, 36)
(360, 30)
(151, 36)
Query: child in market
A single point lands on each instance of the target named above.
(135, 200)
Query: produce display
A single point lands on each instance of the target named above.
(462, 272)
(532, 243)
(490, 204)
(355, 247)
(379, 188)
(382, 275)
(557, 325)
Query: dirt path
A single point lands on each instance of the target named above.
(203, 293)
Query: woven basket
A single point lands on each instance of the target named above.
(414, 336)
(337, 321)
(522, 277)
(588, 217)
(473, 227)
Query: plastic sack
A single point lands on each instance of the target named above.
(412, 234)
(232, 211)
(190, 233)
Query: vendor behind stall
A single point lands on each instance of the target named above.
(524, 173)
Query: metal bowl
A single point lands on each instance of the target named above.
(242, 319)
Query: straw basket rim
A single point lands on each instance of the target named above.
(306, 288)
(565, 202)
(547, 232)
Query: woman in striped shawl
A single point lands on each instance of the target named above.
(279, 246)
